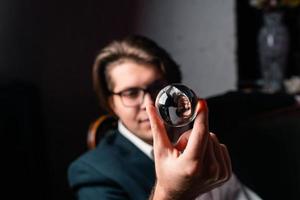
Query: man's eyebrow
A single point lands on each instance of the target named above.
(154, 83)
(128, 88)
(131, 88)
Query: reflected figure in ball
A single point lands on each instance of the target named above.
(184, 109)
(176, 105)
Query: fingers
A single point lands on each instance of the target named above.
(211, 164)
(217, 163)
(199, 135)
(219, 160)
(227, 162)
(227, 171)
(161, 141)
(222, 158)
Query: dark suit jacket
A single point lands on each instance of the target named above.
(116, 169)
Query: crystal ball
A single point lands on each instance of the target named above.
(176, 105)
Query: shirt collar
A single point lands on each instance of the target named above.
(139, 143)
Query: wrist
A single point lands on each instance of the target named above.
(159, 193)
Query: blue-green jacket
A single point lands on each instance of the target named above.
(116, 169)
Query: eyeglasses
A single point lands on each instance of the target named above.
(134, 96)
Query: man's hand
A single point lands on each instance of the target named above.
(195, 165)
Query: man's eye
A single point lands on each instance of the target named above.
(132, 93)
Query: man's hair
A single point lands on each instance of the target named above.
(134, 48)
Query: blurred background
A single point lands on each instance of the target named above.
(46, 53)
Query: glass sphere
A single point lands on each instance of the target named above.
(176, 105)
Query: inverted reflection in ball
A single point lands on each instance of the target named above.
(176, 105)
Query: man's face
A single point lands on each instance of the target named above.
(125, 76)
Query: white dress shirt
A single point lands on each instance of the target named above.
(233, 189)
(139, 143)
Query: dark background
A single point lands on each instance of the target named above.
(46, 98)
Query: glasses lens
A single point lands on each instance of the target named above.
(132, 96)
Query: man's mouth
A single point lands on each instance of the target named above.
(144, 121)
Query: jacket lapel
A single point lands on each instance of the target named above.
(138, 165)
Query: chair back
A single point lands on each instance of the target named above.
(98, 128)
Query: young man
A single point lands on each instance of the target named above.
(127, 76)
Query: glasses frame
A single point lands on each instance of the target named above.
(152, 89)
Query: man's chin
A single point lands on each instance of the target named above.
(147, 136)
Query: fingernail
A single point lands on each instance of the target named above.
(201, 105)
